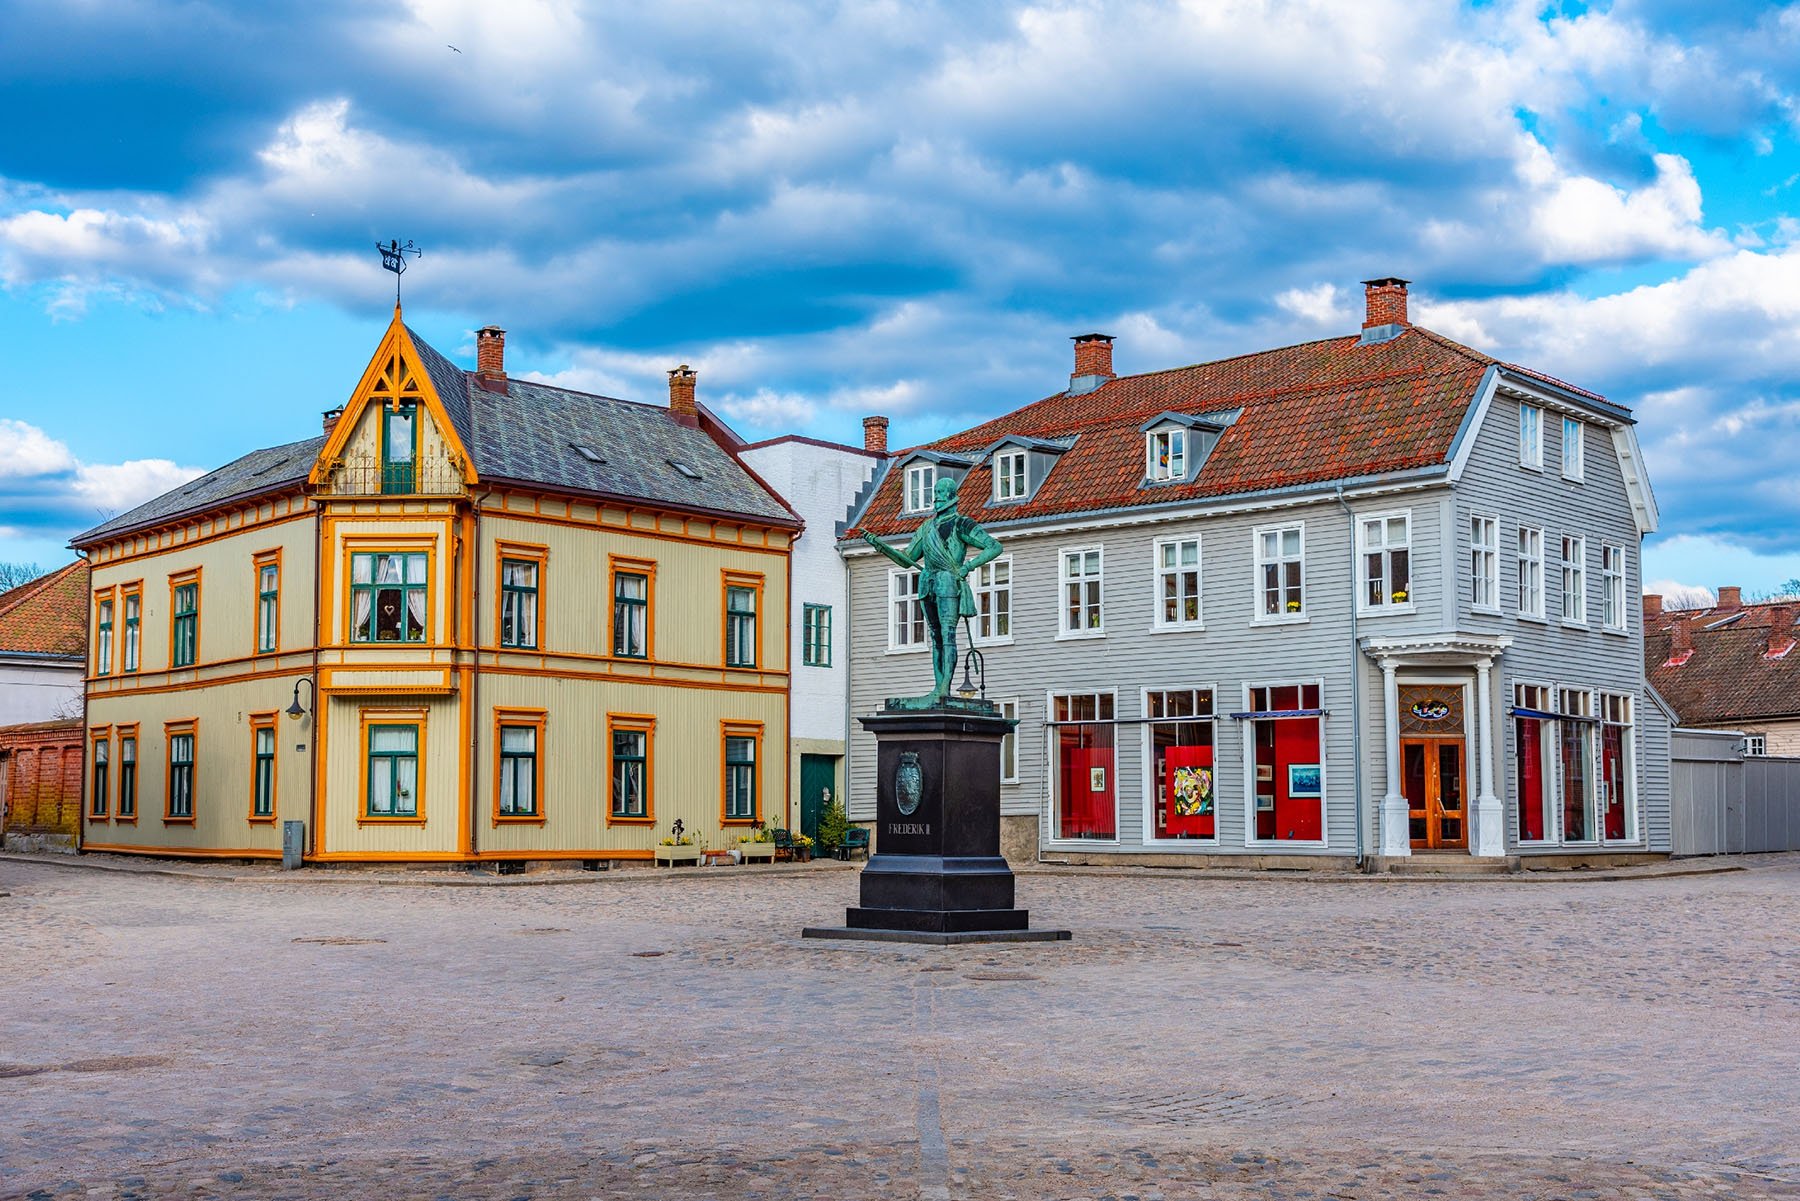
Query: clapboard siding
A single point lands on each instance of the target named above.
(1548, 652)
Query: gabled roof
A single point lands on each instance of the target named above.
(1737, 672)
(1310, 415)
(48, 615)
(524, 435)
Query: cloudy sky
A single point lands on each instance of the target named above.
(837, 209)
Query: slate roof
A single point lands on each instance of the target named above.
(523, 435)
(1730, 676)
(48, 615)
(274, 469)
(1307, 414)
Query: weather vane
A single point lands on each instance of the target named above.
(393, 258)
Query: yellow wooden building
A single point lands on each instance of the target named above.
(479, 619)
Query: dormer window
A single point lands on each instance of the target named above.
(1165, 454)
(1009, 475)
(921, 478)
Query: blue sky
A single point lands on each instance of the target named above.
(838, 209)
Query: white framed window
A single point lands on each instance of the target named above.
(1484, 563)
(1575, 730)
(1009, 744)
(1574, 449)
(992, 585)
(1081, 576)
(1618, 769)
(1531, 572)
(1534, 763)
(1281, 572)
(1384, 545)
(1165, 454)
(1009, 475)
(1284, 764)
(1612, 586)
(1180, 789)
(906, 613)
(1574, 580)
(921, 478)
(1084, 789)
(1531, 436)
(1756, 744)
(1178, 583)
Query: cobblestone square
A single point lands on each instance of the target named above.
(644, 1034)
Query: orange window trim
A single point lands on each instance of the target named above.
(730, 578)
(266, 721)
(128, 590)
(740, 729)
(262, 559)
(389, 717)
(120, 734)
(101, 736)
(528, 552)
(645, 724)
(632, 566)
(179, 579)
(437, 638)
(536, 719)
(117, 629)
(189, 726)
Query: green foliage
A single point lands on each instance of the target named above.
(832, 824)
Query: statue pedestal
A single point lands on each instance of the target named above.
(937, 875)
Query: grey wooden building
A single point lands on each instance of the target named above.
(1374, 595)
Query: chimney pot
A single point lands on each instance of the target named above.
(331, 419)
(1386, 302)
(1653, 602)
(681, 396)
(1093, 362)
(1731, 598)
(875, 430)
(490, 357)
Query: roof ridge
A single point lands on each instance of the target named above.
(642, 404)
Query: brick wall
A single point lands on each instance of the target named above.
(40, 779)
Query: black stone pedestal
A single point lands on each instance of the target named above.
(937, 875)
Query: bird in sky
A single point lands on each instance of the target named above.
(453, 47)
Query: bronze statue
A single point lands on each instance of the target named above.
(938, 550)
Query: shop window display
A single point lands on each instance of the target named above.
(1288, 766)
(1085, 762)
(1181, 762)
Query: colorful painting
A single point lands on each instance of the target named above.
(1265, 802)
(1193, 792)
(1304, 779)
(1096, 779)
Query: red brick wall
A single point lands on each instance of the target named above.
(42, 765)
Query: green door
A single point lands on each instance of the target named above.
(818, 785)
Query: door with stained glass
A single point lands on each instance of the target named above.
(1434, 766)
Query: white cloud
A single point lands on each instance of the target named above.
(770, 410)
(27, 451)
(117, 487)
(44, 486)
(1318, 304)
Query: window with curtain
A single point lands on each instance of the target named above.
(388, 597)
(1386, 546)
(134, 606)
(631, 615)
(518, 771)
(740, 626)
(103, 638)
(393, 771)
(1083, 583)
(992, 586)
(1178, 582)
(630, 772)
(262, 803)
(518, 603)
(268, 607)
(1281, 572)
(1009, 475)
(740, 778)
(181, 777)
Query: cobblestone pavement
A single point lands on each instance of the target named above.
(667, 1035)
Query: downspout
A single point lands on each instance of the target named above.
(318, 702)
(87, 768)
(1355, 686)
(787, 809)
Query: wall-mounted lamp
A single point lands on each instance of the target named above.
(297, 710)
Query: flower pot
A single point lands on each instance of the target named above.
(674, 855)
(757, 851)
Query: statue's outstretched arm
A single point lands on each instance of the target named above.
(897, 556)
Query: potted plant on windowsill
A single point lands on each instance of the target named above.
(678, 847)
(759, 844)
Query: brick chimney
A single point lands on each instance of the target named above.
(1681, 638)
(1731, 598)
(1386, 302)
(1652, 605)
(331, 419)
(490, 357)
(681, 396)
(1093, 363)
(1781, 632)
(875, 434)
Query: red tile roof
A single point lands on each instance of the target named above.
(1312, 413)
(48, 615)
(1737, 672)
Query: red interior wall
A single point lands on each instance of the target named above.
(1187, 756)
(1296, 741)
(1531, 779)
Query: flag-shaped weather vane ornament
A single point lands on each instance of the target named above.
(393, 258)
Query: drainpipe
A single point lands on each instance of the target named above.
(474, 619)
(318, 702)
(87, 749)
(1355, 685)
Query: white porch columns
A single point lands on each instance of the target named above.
(1396, 823)
(1490, 818)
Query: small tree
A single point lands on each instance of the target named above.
(12, 575)
(832, 824)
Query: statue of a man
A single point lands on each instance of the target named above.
(937, 550)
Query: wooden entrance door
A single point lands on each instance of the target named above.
(1432, 772)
